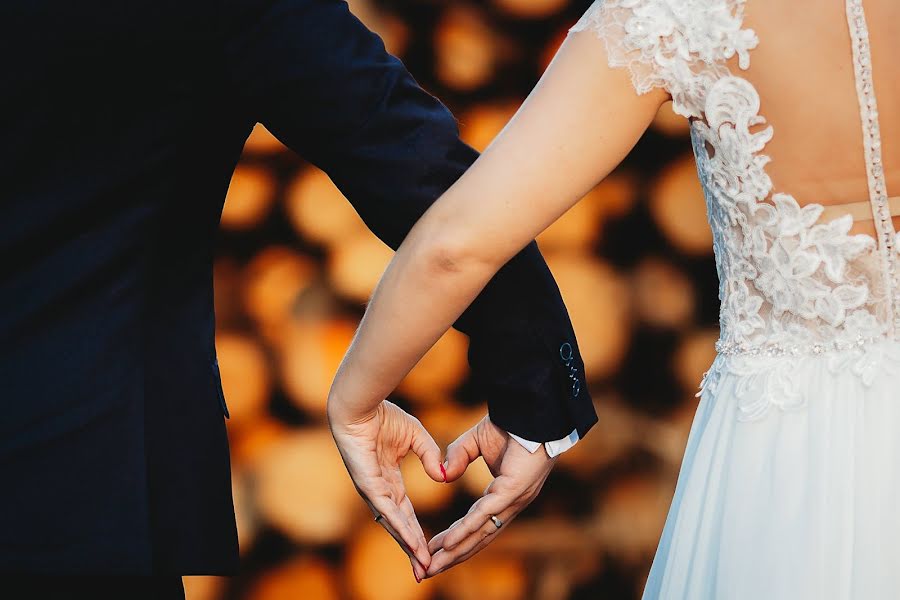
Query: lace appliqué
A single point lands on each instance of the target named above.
(766, 382)
(676, 45)
(790, 288)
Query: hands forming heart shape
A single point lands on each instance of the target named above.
(372, 448)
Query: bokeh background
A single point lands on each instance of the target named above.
(295, 265)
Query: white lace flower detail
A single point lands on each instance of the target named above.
(795, 252)
(737, 170)
(763, 383)
(836, 247)
(740, 313)
(866, 362)
(676, 45)
(860, 325)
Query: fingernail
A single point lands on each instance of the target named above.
(444, 472)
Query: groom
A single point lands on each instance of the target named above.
(122, 125)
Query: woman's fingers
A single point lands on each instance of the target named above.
(407, 508)
(395, 522)
(413, 521)
(418, 571)
(427, 450)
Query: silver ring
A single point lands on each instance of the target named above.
(497, 522)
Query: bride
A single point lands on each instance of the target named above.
(790, 482)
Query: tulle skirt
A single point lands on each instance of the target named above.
(790, 483)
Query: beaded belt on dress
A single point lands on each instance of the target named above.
(745, 349)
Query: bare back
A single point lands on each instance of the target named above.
(803, 71)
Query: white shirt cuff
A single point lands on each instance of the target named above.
(553, 447)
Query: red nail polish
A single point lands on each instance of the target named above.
(444, 472)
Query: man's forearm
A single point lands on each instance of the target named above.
(326, 87)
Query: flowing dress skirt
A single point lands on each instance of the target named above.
(790, 483)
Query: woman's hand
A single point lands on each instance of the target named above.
(519, 477)
(372, 446)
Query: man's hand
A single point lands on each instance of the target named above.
(372, 447)
(519, 476)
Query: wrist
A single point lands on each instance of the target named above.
(341, 413)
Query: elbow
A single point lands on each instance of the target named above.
(445, 255)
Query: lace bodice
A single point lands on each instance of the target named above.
(790, 285)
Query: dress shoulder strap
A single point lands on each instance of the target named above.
(871, 131)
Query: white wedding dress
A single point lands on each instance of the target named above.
(790, 483)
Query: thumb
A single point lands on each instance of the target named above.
(427, 450)
(460, 454)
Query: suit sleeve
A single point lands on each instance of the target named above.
(327, 88)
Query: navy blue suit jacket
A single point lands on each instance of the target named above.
(121, 126)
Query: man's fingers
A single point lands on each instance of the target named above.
(395, 522)
(460, 454)
(427, 450)
(493, 503)
(472, 545)
(437, 542)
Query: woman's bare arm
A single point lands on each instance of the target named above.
(576, 126)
